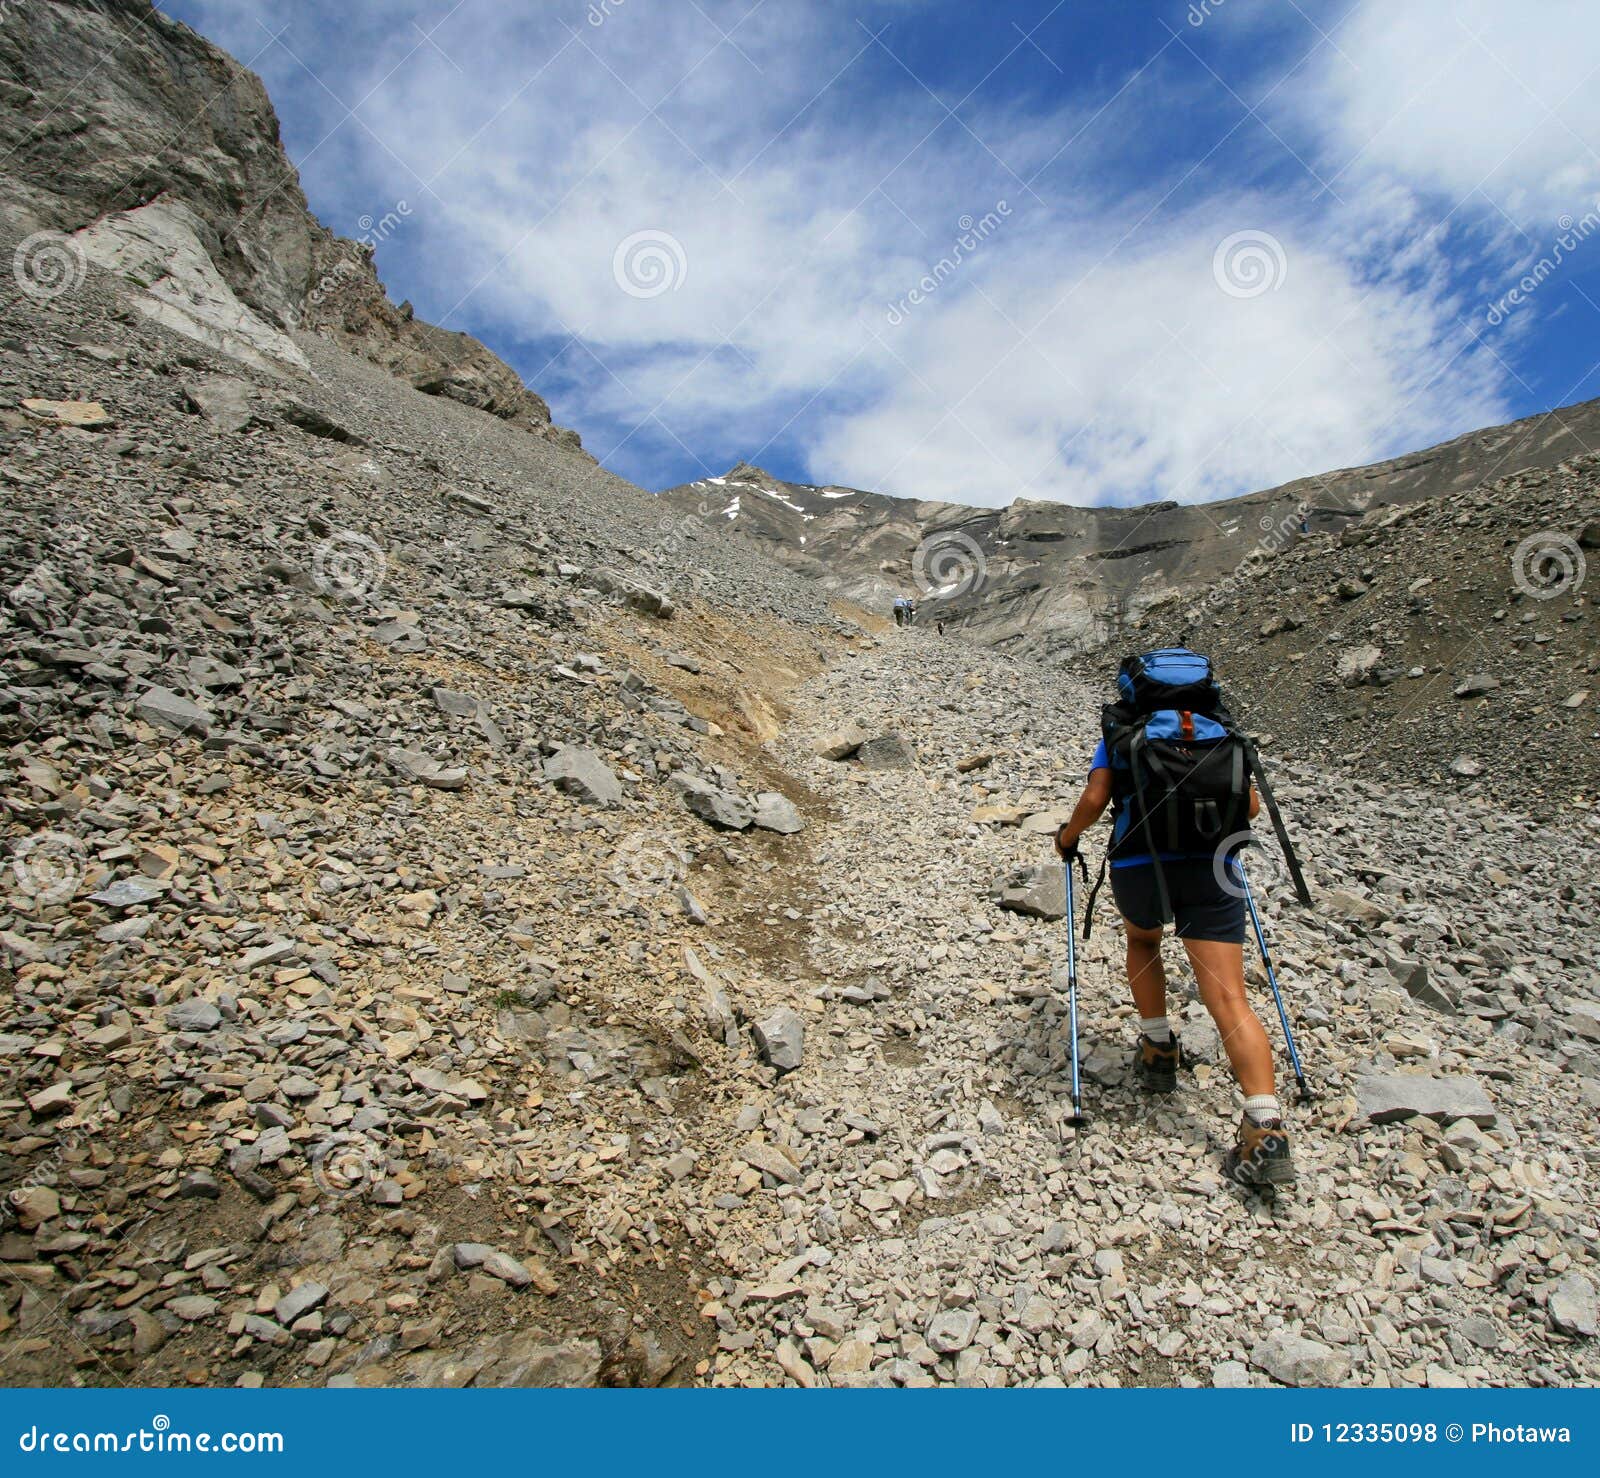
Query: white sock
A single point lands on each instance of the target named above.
(1262, 1106)
(1157, 1028)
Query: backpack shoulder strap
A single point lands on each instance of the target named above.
(1301, 891)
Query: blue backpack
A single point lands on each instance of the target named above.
(1181, 770)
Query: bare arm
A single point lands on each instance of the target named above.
(1091, 805)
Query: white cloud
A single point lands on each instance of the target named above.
(811, 184)
(1464, 98)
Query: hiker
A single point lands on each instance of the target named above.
(1170, 731)
(900, 611)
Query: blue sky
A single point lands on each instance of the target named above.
(1097, 251)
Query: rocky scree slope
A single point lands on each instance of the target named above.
(441, 950)
(343, 726)
(157, 154)
(1049, 579)
(940, 1221)
(1450, 643)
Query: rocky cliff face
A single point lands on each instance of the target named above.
(1045, 579)
(157, 155)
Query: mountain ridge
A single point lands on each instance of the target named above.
(1043, 578)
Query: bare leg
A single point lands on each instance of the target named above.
(1147, 976)
(1219, 971)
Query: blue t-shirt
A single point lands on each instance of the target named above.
(1102, 761)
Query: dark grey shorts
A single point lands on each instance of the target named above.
(1201, 907)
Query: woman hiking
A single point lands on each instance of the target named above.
(1195, 886)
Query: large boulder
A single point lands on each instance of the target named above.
(1573, 1306)
(843, 742)
(1358, 665)
(172, 712)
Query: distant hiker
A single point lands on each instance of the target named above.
(1177, 776)
(1305, 526)
(939, 627)
(911, 613)
(902, 611)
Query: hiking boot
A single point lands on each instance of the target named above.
(1157, 1064)
(1261, 1157)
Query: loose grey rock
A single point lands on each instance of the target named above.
(299, 1301)
(581, 772)
(952, 1331)
(194, 1015)
(1382, 1099)
(172, 712)
(841, 743)
(1293, 1360)
(777, 813)
(425, 770)
(887, 752)
(1039, 892)
(1573, 1306)
(1358, 665)
(780, 1037)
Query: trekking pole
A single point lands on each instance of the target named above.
(1072, 992)
(1272, 980)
